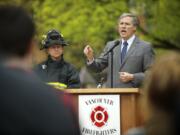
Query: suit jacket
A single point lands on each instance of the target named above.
(28, 106)
(137, 61)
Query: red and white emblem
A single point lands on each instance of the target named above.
(99, 116)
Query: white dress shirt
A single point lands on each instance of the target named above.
(129, 41)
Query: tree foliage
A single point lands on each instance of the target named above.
(81, 22)
(94, 22)
(162, 19)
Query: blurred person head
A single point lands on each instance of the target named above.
(127, 25)
(163, 84)
(33, 107)
(17, 30)
(162, 89)
(54, 44)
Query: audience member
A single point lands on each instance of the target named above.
(28, 106)
(162, 94)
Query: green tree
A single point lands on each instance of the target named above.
(81, 22)
(94, 22)
(161, 21)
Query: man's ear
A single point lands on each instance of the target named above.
(117, 27)
(135, 28)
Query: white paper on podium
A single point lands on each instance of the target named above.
(99, 114)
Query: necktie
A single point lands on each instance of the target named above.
(124, 50)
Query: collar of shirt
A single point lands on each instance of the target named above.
(130, 41)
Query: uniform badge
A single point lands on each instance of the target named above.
(44, 66)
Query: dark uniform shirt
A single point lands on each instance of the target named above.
(58, 71)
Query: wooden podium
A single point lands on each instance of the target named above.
(130, 110)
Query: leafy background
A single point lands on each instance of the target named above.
(94, 22)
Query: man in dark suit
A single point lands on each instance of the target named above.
(132, 56)
(27, 106)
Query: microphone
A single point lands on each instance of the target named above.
(116, 43)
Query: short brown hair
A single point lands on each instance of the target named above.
(135, 20)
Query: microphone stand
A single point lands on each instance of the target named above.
(112, 53)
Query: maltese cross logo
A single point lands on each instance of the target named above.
(99, 116)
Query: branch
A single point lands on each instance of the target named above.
(160, 43)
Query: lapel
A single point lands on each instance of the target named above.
(131, 49)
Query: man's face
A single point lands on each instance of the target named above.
(126, 28)
(55, 51)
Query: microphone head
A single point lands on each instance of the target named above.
(116, 42)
